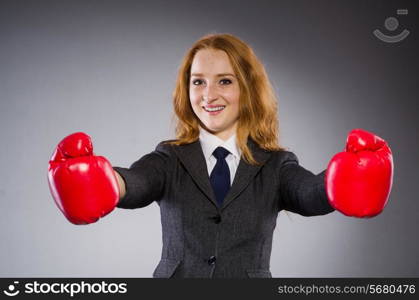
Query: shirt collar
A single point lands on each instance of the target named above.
(209, 142)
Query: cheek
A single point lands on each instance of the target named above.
(234, 97)
(233, 94)
(196, 108)
(236, 104)
(194, 97)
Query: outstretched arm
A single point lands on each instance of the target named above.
(301, 191)
(145, 180)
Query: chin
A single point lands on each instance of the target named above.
(212, 129)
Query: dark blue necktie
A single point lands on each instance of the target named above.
(220, 175)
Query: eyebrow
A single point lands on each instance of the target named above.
(218, 75)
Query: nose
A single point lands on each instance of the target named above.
(210, 94)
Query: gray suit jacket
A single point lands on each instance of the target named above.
(203, 240)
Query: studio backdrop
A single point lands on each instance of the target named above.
(108, 68)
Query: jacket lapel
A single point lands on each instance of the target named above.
(192, 157)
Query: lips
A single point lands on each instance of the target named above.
(213, 108)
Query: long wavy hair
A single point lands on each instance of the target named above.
(257, 103)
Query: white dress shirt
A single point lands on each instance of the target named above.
(210, 142)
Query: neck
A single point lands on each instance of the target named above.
(227, 133)
(224, 135)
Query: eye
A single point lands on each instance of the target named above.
(225, 81)
(197, 82)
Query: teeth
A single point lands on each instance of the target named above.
(215, 108)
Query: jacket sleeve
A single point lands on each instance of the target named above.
(301, 191)
(145, 179)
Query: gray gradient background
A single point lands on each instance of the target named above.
(108, 68)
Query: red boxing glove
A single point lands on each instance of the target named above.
(84, 186)
(359, 180)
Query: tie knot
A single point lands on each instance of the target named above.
(220, 152)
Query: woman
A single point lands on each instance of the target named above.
(221, 183)
(222, 98)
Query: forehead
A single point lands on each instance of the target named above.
(211, 61)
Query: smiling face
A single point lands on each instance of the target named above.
(214, 92)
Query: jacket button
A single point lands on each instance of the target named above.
(211, 260)
(217, 219)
